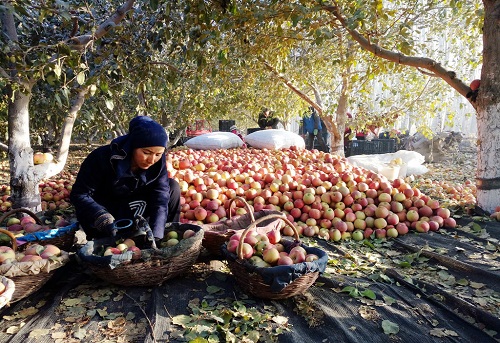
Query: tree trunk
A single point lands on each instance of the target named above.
(488, 113)
(23, 181)
(338, 143)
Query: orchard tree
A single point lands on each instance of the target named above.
(485, 99)
(106, 60)
(299, 46)
(65, 53)
(395, 33)
(42, 42)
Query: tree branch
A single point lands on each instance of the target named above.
(301, 94)
(81, 42)
(428, 64)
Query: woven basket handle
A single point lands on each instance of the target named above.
(245, 203)
(239, 250)
(12, 238)
(17, 210)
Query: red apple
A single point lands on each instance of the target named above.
(285, 260)
(200, 213)
(232, 245)
(274, 236)
(402, 228)
(450, 223)
(474, 85)
(112, 251)
(422, 226)
(297, 255)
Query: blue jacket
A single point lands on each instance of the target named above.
(311, 122)
(106, 184)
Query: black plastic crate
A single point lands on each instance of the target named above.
(253, 129)
(225, 125)
(375, 146)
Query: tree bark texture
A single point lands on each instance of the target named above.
(488, 112)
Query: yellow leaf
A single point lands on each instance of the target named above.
(58, 334)
(38, 332)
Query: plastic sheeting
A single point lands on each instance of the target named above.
(435, 287)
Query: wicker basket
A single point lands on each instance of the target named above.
(6, 296)
(63, 241)
(217, 234)
(251, 281)
(28, 283)
(157, 266)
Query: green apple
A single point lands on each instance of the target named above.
(12, 221)
(357, 235)
(172, 234)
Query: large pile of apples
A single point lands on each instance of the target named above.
(321, 193)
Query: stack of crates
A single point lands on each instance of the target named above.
(375, 146)
(225, 125)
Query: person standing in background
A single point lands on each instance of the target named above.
(312, 126)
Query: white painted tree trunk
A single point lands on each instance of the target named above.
(488, 161)
(488, 113)
(23, 182)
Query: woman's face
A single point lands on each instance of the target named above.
(143, 158)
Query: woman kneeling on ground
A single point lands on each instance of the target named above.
(126, 178)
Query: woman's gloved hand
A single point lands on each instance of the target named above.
(110, 229)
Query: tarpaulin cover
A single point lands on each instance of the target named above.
(52, 233)
(435, 287)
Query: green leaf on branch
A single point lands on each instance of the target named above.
(80, 78)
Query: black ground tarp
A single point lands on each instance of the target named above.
(435, 287)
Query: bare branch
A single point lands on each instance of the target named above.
(301, 94)
(427, 73)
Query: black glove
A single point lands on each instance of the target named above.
(142, 225)
(110, 230)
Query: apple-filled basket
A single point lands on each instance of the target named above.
(147, 266)
(63, 237)
(278, 281)
(7, 288)
(30, 267)
(216, 234)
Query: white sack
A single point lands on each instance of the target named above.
(214, 140)
(274, 139)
